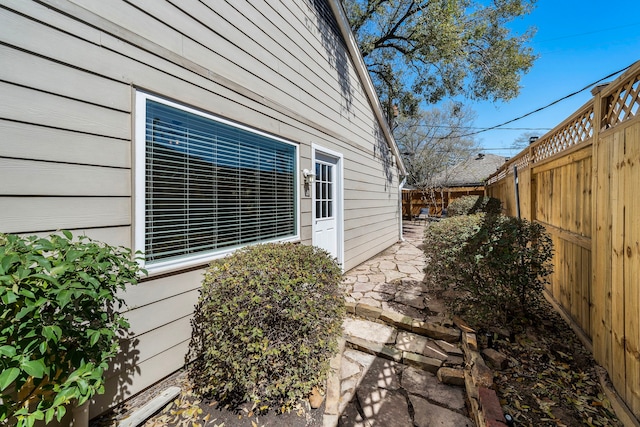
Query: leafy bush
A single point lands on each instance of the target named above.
(59, 324)
(266, 325)
(496, 265)
(443, 243)
(468, 205)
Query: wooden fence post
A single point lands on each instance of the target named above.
(600, 323)
(532, 187)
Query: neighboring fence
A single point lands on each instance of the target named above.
(414, 200)
(580, 182)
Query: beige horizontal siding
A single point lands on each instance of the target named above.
(40, 73)
(149, 317)
(151, 291)
(29, 141)
(368, 245)
(33, 106)
(32, 214)
(137, 377)
(38, 178)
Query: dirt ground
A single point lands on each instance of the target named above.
(190, 410)
(551, 379)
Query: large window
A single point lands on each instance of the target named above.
(210, 186)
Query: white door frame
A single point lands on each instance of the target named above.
(339, 206)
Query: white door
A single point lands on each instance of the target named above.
(327, 205)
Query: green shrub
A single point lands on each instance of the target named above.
(59, 323)
(443, 242)
(467, 205)
(266, 325)
(497, 266)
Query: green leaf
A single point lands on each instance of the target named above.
(45, 277)
(7, 377)
(67, 234)
(58, 270)
(9, 297)
(61, 411)
(7, 351)
(49, 414)
(83, 386)
(34, 368)
(27, 293)
(47, 332)
(64, 298)
(23, 312)
(7, 261)
(94, 337)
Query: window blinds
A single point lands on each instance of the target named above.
(211, 185)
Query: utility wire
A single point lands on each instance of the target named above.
(546, 106)
(468, 127)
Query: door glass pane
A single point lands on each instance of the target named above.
(324, 190)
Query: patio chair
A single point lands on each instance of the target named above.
(423, 215)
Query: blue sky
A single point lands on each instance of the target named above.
(578, 42)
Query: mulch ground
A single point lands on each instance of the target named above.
(191, 410)
(551, 379)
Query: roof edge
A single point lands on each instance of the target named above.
(363, 73)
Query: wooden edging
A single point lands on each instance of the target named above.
(156, 404)
(621, 409)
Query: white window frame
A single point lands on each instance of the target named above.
(158, 267)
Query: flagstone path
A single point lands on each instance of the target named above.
(398, 347)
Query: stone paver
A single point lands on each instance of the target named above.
(412, 300)
(384, 408)
(369, 331)
(397, 339)
(425, 384)
(429, 415)
(407, 341)
(381, 374)
(363, 287)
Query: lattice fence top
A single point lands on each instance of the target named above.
(622, 104)
(575, 131)
(523, 161)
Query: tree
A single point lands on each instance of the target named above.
(426, 50)
(433, 141)
(524, 140)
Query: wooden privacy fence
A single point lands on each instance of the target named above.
(582, 182)
(414, 200)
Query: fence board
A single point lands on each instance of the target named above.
(414, 200)
(602, 273)
(617, 267)
(632, 267)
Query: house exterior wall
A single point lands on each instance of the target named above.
(71, 70)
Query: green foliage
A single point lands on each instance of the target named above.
(266, 325)
(468, 205)
(444, 242)
(497, 266)
(425, 50)
(59, 323)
